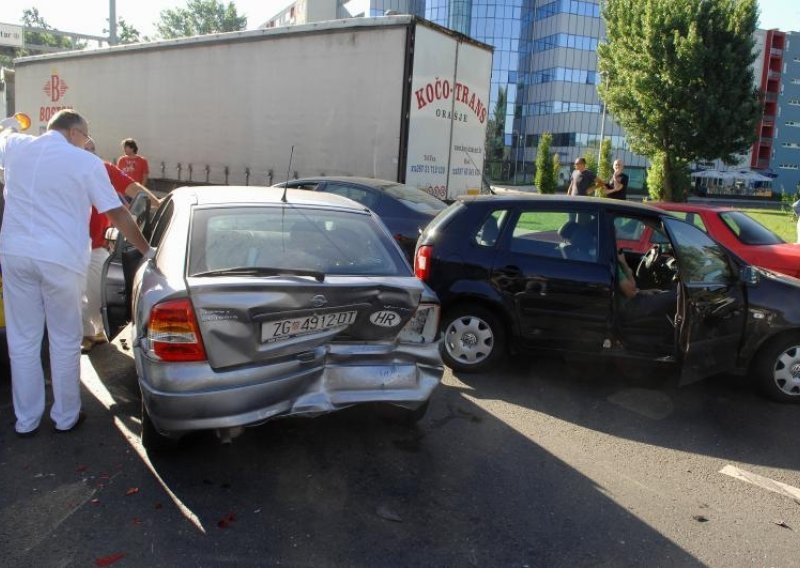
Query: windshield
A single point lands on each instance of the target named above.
(748, 230)
(284, 240)
(414, 198)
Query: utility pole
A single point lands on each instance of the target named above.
(112, 22)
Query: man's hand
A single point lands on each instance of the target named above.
(10, 123)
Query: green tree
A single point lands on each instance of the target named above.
(495, 139)
(126, 33)
(200, 17)
(591, 159)
(556, 165)
(545, 181)
(31, 18)
(678, 78)
(604, 168)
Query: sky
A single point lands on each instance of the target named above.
(90, 16)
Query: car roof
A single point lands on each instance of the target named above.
(253, 194)
(689, 207)
(377, 183)
(631, 206)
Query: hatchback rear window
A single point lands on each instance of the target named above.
(292, 238)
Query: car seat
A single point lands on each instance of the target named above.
(577, 242)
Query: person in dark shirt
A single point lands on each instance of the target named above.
(617, 186)
(582, 181)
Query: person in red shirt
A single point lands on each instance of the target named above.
(132, 163)
(127, 188)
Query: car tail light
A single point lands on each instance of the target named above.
(423, 325)
(422, 262)
(173, 332)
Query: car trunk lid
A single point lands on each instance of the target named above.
(245, 321)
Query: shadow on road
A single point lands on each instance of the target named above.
(721, 416)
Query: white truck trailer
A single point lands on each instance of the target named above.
(393, 97)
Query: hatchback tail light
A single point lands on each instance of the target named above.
(422, 262)
(173, 332)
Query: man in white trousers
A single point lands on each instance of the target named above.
(51, 184)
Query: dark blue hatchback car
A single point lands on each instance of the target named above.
(404, 209)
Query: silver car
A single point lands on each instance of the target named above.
(261, 302)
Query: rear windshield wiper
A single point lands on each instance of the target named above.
(263, 271)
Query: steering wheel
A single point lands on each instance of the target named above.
(645, 269)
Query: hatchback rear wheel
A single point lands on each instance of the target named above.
(777, 369)
(474, 339)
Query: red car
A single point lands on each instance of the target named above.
(734, 229)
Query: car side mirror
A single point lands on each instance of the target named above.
(749, 275)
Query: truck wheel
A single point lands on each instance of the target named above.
(474, 339)
(777, 369)
(152, 440)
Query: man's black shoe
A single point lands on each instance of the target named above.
(81, 419)
(29, 434)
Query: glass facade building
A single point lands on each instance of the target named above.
(545, 63)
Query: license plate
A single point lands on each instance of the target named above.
(280, 330)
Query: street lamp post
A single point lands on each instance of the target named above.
(112, 22)
(602, 130)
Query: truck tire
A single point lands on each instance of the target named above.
(777, 369)
(474, 339)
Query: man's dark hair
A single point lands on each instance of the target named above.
(581, 161)
(65, 119)
(131, 143)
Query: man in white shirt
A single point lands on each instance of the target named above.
(51, 184)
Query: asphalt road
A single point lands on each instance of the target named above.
(545, 463)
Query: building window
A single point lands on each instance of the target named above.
(559, 107)
(575, 7)
(793, 123)
(791, 145)
(789, 167)
(584, 43)
(565, 74)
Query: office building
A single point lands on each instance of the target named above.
(785, 161)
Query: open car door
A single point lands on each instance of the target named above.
(120, 267)
(711, 305)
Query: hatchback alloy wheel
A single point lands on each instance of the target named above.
(778, 369)
(473, 339)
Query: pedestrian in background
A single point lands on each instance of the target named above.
(617, 186)
(51, 185)
(796, 208)
(132, 163)
(127, 189)
(582, 181)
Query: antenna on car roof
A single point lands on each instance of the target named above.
(288, 170)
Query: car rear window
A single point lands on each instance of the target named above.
(292, 238)
(748, 230)
(416, 199)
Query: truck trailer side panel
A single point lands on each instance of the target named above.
(448, 114)
(228, 108)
